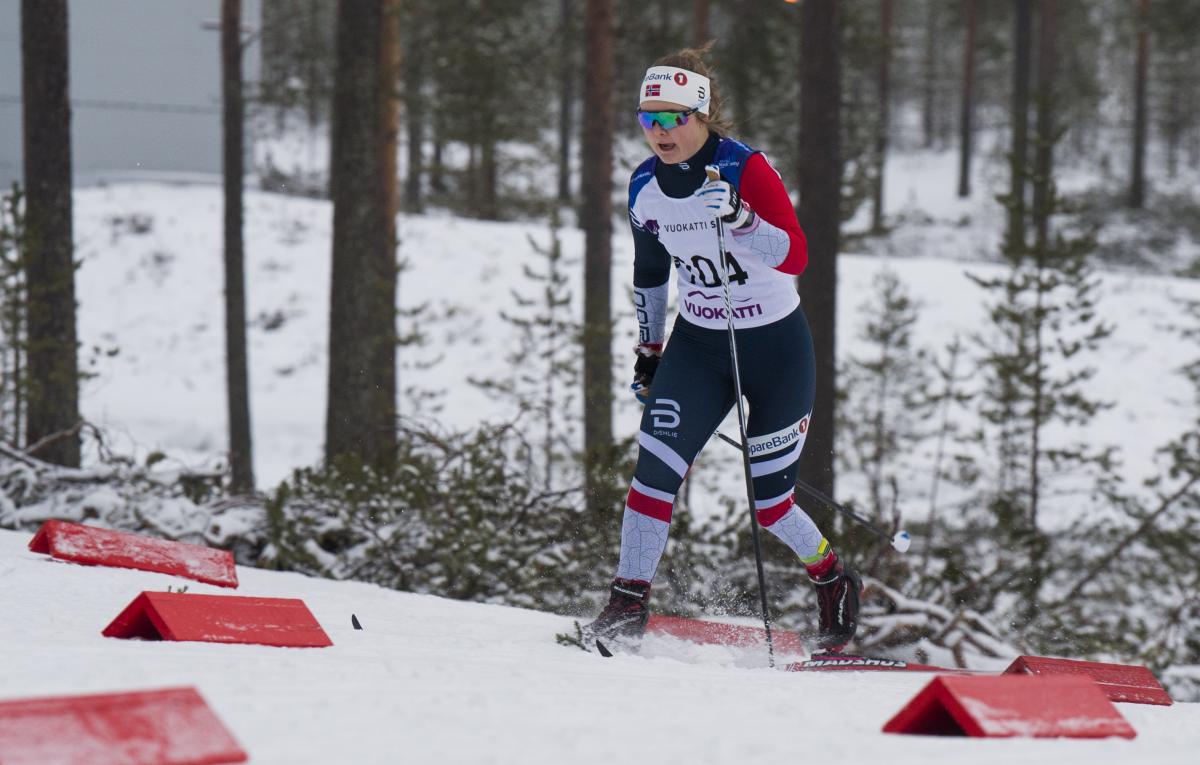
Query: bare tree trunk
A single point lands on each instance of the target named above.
(1174, 121)
(414, 56)
(472, 177)
(699, 22)
(361, 413)
(315, 18)
(566, 74)
(237, 376)
(489, 206)
(437, 168)
(53, 402)
(881, 126)
(968, 99)
(929, 66)
(1137, 180)
(1044, 154)
(596, 217)
(1019, 152)
(820, 174)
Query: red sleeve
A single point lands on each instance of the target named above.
(763, 190)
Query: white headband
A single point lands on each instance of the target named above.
(679, 86)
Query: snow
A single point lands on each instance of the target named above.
(435, 680)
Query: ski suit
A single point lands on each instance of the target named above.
(693, 387)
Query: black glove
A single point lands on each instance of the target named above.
(643, 371)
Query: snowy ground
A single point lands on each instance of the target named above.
(433, 680)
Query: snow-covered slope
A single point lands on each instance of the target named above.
(430, 680)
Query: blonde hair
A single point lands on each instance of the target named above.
(693, 59)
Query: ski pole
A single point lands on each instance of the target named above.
(901, 541)
(715, 174)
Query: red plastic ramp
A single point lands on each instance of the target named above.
(1011, 705)
(172, 726)
(1120, 682)
(104, 547)
(284, 622)
(717, 633)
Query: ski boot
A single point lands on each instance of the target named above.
(837, 601)
(624, 619)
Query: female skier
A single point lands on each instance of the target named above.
(688, 388)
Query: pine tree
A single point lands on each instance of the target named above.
(544, 380)
(12, 317)
(52, 416)
(1129, 584)
(1175, 68)
(885, 404)
(298, 58)
(1019, 111)
(967, 103)
(596, 220)
(820, 173)
(237, 375)
(884, 97)
(496, 58)
(1137, 173)
(1043, 324)
(361, 408)
(568, 70)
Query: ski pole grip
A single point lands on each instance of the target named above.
(712, 172)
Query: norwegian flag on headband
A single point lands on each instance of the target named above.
(653, 91)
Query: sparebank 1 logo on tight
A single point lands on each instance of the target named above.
(784, 438)
(665, 414)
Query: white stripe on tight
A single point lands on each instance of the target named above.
(761, 504)
(664, 453)
(779, 463)
(642, 488)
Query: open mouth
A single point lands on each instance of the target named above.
(666, 147)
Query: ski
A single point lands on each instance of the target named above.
(817, 662)
(824, 662)
(585, 643)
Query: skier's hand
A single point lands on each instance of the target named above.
(722, 200)
(644, 369)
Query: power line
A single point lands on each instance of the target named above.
(128, 106)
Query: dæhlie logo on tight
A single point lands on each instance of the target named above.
(665, 413)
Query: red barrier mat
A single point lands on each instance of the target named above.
(1011, 705)
(716, 633)
(285, 622)
(104, 547)
(1120, 682)
(172, 726)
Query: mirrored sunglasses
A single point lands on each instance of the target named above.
(667, 119)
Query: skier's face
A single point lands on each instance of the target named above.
(674, 145)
